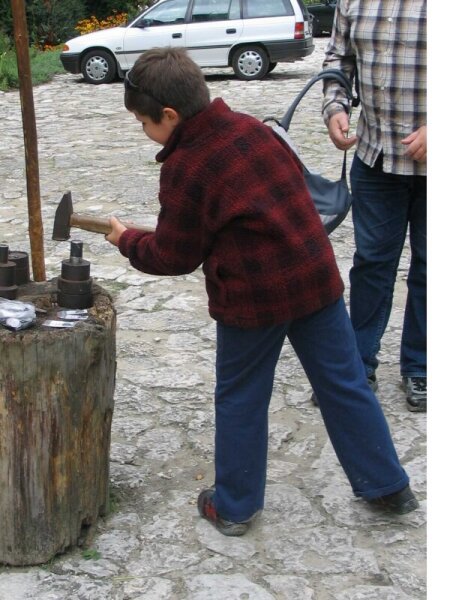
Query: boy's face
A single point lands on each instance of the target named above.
(159, 132)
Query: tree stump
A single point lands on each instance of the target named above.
(56, 406)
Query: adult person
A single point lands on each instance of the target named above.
(384, 43)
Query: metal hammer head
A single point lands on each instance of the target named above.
(61, 226)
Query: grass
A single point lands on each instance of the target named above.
(114, 502)
(43, 65)
(91, 554)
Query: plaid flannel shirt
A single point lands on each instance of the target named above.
(234, 199)
(386, 41)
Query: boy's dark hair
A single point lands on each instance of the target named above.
(166, 77)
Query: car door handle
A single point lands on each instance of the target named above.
(176, 35)
(231, 30)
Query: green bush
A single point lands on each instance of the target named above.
(5, 17)
(104, 8)
(5, 43)
(51, 22)
(43, 66)
(8, 67)
(8, 71)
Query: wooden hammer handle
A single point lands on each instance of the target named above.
(99, 225)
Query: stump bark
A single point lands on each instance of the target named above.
(56, 406)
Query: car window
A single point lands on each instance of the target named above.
(235, 9)
(267, 8)
(317, 3)
(168, 13)
(215, 10)
(302, 3)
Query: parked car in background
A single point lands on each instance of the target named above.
(248, 35)
(323, 15)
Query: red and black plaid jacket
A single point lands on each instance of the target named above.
(233, 198)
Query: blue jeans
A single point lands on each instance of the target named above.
(246, 360)
(384, 205)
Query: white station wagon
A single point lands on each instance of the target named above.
(251, 36)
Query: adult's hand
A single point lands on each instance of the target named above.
(338, 127)
(117, 229)
(416, 144)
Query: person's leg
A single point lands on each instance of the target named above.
(325, 344)
(413, 357)
(380, 213)
(413, 352)
(246, 361)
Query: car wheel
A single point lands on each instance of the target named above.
(250, 62)
(272, 66)
(98, 66)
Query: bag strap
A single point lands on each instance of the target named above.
(356, 99)
(331, 74)
(344, 166)
(343, 170)
(336, 75)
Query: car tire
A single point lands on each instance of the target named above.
(98, 66)
(250, 62)
(272, 66)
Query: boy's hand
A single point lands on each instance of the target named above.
(117, 229)
(338, 127)
(416, 144)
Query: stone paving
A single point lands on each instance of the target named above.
(314, 541)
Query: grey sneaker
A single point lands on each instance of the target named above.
(400, 503)
(371, 380)
(416, 393)
(207, 510)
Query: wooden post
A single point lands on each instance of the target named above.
(35, 228)
(56, 406)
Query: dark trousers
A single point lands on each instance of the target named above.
(246, 360)
(384, 206)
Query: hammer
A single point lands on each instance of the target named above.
(65, 218)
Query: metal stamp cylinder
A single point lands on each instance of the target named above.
(75, 282)
(8, 287)
(22, 266)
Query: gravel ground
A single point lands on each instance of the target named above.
(321, 544)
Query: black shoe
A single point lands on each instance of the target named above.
(400, 503)
(371, 380)
(416, 393)
(208, 511)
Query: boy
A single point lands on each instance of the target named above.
(233, 199)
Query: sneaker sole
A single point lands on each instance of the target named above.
(229, 529)
(235, 530)
(408, 507)
(420, 408)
